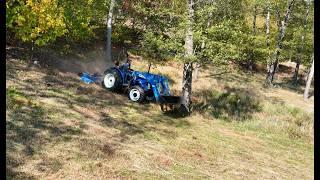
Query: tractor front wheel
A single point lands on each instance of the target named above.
(136, 94)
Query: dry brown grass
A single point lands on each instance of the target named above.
(66, 132)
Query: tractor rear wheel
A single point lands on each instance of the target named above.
(136, 94)
(112, 80)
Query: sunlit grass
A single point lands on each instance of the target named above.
(236, 131)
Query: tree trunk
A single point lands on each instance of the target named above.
(273, 66)
(254, 20)
(109, 30)
(251, 60)
(32, 51)
(187, 67)
(187, 86)
(267, 36)
(306, 91)
(296, 72)
(189, 32)
(31, 62)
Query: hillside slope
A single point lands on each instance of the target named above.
(58, 127)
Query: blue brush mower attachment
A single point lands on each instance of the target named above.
(88, 78)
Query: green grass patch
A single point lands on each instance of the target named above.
(232, 104)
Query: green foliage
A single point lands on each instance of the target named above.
(223, 30)
(224, 27)
(159, 46)
(293, 45)
(44, 21)
(124, 35)
(36, 21)
(82, 17)
(162, 27)
(223, 42)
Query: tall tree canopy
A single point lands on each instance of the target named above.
(247, 32)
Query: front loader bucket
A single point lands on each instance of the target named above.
(170, 99)
(173, 103)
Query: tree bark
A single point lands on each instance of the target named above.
(251, 60)
(187, 86)
(189, 32)
(306, 91)
(268, 35)
(109, 30)
(296, 72)
(187, 67)
(273, 66)
(254, 20)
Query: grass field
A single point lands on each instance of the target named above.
(60, 128)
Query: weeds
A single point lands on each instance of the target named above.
(233, 104)
(234, 132)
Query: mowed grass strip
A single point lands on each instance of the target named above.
(235, 132)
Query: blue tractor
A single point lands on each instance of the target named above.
(141, 86)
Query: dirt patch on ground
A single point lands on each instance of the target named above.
(92, 60)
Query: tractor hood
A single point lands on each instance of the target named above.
(149, 76)
(160, 82)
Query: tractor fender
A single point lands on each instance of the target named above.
(119, 70)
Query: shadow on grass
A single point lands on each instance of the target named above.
(29, 129)
(33, 123)
(161, 124)
(214, 75)
(126, 128)
(177, 111)
(232, 104)
(12, 174)
(240, 77)
(287, 84)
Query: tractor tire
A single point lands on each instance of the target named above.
(112, 80)
(136, 94)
